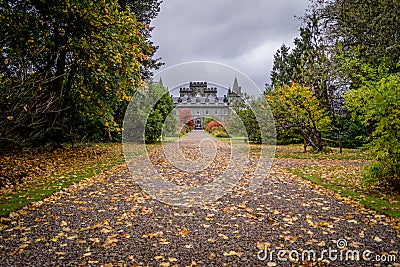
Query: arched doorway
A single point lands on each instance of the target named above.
(197, 124)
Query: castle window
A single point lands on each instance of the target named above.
(225, 112)
(206, 111)
(216, 112)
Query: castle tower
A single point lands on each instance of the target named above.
(235, 94)
(236, 89)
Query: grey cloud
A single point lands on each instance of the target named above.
(244, 34)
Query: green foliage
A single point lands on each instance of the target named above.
(68, 68)
(350, 131)
(145, 11)
(378, 103)
(159, 113)
(296, 108)
(309, 64)
(250, 123)
(364, 30)
(287, 137)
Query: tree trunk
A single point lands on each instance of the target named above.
(58, 85)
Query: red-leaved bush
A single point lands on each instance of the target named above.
(211, 125)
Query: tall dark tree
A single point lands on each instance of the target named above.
(145, 11)
(66, 67)
(363, 32)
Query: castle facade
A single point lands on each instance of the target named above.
(204, 102)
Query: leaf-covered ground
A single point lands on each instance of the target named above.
(108, 220)
(34, 174)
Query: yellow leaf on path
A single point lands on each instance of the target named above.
(276, 212)
(151, 235)
(159, 257)
(106, 230)
(323, 224)
(377, 239)
(94, 240)
(87, 254)
(184, 232)
(271, 264)
(172, 259)
(188, 246)
(230, 253)
(60, 253)
(72, 237)
(212, 256)
(223, 236)
(164, 241)
(193, 264)
(164, 264)
(262, 245)
(321, 244)
(211, 240)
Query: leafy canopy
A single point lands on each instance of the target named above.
(296, 108)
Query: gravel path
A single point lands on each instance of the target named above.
(109, 221)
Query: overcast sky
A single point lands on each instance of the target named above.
(242, 34)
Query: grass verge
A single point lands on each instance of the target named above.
(347, 184)
(30, 176)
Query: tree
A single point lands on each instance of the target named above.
(185, 116)
(159, 113)
(308, 64)
(378, 103)
(364, 30)
(78, 61)
(296, 108)
(145, 11)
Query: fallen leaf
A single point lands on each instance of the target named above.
(184, 232)
(211, 240)
(223, 236)
(230, 253)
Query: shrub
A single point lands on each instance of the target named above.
(377, 102)
(216, 128)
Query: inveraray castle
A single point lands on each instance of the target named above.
(204, 102)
